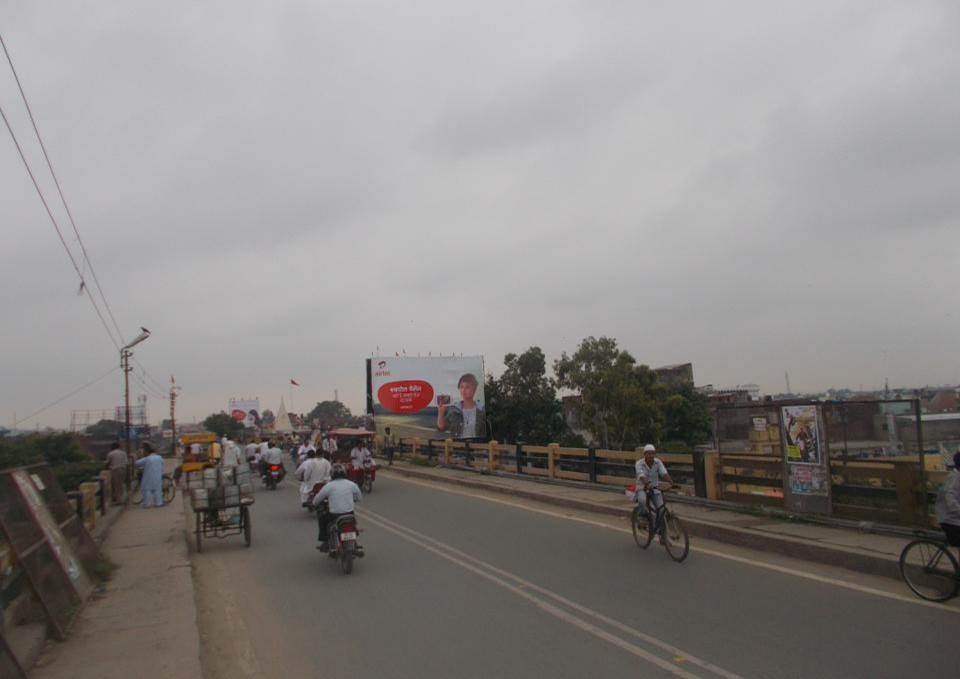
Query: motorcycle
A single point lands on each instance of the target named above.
(369, 474)
(273, 476)
(343, 542)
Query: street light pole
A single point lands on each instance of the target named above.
(125, 366)
(125, 354)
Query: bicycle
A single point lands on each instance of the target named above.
(169, 487)
(660, 521)
(930, 570)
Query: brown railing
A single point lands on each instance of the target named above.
(883, 490)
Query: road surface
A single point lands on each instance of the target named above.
(458, 585)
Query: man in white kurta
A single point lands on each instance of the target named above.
(312, 471)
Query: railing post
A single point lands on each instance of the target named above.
(918, 414)
(710, 462)
(910, 508)
(699, 474)
(446, 450)
(519, 458)
(492, 453)
(416, 446)
(592, 463)
(552, 456)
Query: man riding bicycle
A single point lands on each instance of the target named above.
(650, 472)
(948, 504)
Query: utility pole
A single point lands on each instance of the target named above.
(125, 366)
(125, 355)
(173, 419)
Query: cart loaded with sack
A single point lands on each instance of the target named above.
(221, 498)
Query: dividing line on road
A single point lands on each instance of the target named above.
(524, 589)
(786, 570)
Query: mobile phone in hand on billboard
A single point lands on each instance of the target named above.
(443, 399)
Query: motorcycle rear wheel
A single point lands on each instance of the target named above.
(346, 561)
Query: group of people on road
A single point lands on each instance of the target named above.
(121, 466)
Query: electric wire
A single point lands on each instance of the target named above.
(56, 226)
(65, 397)
(56, 181)
(151, 391)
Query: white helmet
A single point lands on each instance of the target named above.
(649, 448)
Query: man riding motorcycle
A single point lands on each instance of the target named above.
(339, 494)
(273, 456)
(312, 471)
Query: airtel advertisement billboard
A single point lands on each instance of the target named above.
(245, 410)
(430, 397)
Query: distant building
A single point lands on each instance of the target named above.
(944, 401)
(742, 393)
(675, 375)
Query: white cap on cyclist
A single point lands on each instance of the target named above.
(649, 448)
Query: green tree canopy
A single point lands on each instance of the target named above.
(619, 403)
(267, 417)
(330, 414)
(623, 404)
(222, 424)
(522, 404)
(105, 429)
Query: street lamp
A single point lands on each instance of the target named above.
(125, 355)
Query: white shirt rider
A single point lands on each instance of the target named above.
(358, 456)
(312, 471)
(650, 472)
(273, 456)
(341, 494)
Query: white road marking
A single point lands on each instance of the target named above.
(439, 485)
(474, 566)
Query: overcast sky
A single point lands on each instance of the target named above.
(275, 189)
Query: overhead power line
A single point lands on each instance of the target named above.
(56, 226)
(68, 395)
(56, 181)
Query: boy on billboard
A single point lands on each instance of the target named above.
(464, 419)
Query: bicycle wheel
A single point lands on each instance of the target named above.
(169, 490)
(929, 569)
(641, 528)
(136, 493)
(675, 538)
(245, 517)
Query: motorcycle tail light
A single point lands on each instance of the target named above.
(274, 467)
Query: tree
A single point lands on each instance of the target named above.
(687, 414)
(330, 414)
(105, 429)
(619, 398)
(522, 404)
(62, 452)
(223, 424)
(267, 417)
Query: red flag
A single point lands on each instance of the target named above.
(294, 382)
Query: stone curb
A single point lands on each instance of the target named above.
(797, 548)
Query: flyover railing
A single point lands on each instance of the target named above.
(888, 489)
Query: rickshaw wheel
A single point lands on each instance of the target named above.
(199, 533)
(245, 517)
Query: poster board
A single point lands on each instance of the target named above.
(806, 459)
(49, 542)
(428, 397)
